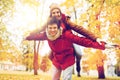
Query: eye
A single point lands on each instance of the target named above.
(53, 12)
(58, 12)
(55, 27)
(49, 28)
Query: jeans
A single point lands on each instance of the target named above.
(66, 74)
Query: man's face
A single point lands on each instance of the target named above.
(52, 29)
(56, 13)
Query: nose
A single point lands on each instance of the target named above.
(56, 14)
(52, 29)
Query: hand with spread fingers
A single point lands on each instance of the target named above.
(108, 45)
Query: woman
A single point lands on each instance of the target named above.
(61, 44)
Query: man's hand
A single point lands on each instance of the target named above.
(107, 45)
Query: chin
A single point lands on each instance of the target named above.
(59, 18)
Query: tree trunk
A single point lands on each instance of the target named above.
(35, 63)
(101, 74)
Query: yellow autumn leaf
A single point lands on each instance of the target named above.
(83, 16)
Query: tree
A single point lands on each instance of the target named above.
(35, 4)
(28, 54)
(7, 47)
(45, 64)
(28, 61)
(117, 66)
(5, 8)
(100, 64)
(95, 60)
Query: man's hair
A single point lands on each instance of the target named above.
(53, 20)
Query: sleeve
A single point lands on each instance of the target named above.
(37, 36)
(83, 41)
(81, 30)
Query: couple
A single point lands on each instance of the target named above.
(60, 39)
(61, 43)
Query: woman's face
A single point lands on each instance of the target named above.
(52, 29)
(56, 13)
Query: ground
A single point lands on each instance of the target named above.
(21, 75)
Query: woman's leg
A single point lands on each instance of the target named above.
(78, 66)
(78, 54)
(56, 73)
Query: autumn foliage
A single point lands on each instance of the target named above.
(102, 17)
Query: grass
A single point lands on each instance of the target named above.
(10, 75)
